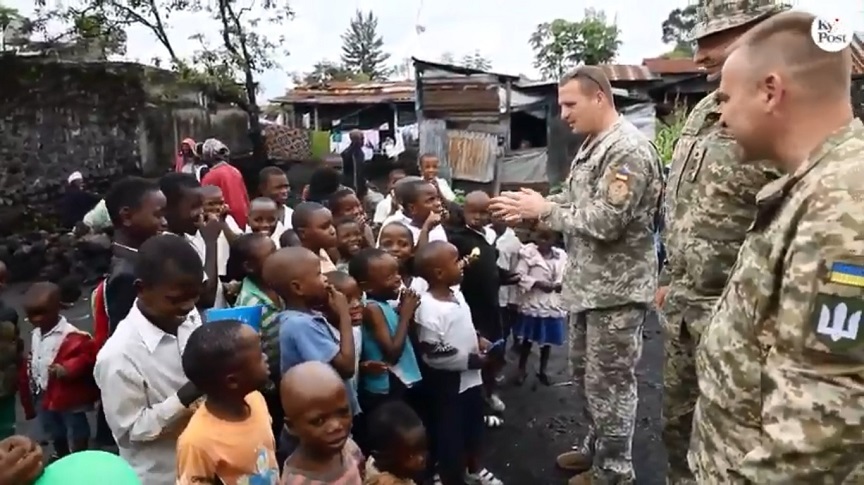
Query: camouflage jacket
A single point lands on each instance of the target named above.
(606, 212)
(780, 364)
(709, 203)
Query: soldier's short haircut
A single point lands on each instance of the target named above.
(591, 79)
(785, 39)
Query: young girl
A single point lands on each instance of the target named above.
(245, 264)
(541, 314)
(385, 332)
(398, 241)
(345, 203)
(349, 236)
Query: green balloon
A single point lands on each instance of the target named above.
(87, 468)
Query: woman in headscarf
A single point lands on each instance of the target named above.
(186, 157)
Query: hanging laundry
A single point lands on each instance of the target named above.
(371, 142)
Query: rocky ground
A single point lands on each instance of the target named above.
(540, 421)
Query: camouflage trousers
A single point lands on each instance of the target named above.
(605, 346)
(680, 391)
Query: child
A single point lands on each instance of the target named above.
(146, 394)
(481, 283)
(228, 178)
(323, 182)
(344, 203)
(398, 241)
(454, 354)
(318, 414)
(429, 165)
(136, 207)
(61, 371)
(313, 224)
(345, 284)
(264, 218)
(349, 235)
(541, 313)
(398, 215)
(214, 207)
(398, 443)
(304, 333)
(508, 245)
(289, 239)
(273, 184)
(422, 210)
(184, 215)
(12, 367)
(385, 332)
(246, 264)
(387, 207)
(228, 438)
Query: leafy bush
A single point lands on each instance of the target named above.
(667, 134)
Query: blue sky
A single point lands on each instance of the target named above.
(499, 29)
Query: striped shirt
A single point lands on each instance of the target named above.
(251, 295)
(347, 474)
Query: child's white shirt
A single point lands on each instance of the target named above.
(223, 248)
(508, 246)
(43, 351)
(383, 210)
(533, 267)
(446, 192)
(449, 323)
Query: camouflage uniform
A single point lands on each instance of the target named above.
(780, 364)
(607, 216)
(710, 201)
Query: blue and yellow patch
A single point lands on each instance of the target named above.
(847, 274)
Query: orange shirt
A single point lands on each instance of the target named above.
(237, 453)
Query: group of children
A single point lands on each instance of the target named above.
(379, 348)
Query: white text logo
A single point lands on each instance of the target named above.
(831, 35)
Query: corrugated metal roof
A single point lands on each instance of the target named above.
(459, 69)
(625, 72)
(662, 65)
(351, 92)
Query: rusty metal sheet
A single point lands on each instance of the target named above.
(472, 155)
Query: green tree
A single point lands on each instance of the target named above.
(561, 45)
(362, 47)
(477, 61)
(228, 68)
(325, 71)
(676, 30)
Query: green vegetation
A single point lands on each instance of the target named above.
(667, 134)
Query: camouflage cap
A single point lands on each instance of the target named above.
(718, 15)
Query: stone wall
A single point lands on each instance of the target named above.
(103, 119)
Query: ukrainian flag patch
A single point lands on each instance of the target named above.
(847, 274)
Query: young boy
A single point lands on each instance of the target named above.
(273, 184)
(229, 437)
(429, 166)
(184, 215)
(387, 207)
(313, 224)
(264, 218)
(349, 237)
(318, 414)
(304, 332)
(454, 354)
(344, 203)
(481, 283)
(61, 370)
(145, 392)
(421, 211)
(136, 207)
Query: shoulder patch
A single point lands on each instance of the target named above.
(836, 321)
(847, 274)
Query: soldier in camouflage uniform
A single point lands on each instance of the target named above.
(606, 213)
(709, 203)
(780, 365)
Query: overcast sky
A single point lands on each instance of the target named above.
(499, 29)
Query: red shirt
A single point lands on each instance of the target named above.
(233, 188)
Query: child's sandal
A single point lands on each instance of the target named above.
(493, 421)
